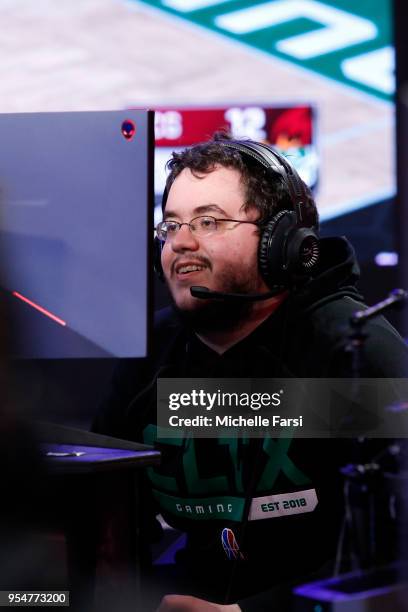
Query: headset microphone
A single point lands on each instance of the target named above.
(203, 293)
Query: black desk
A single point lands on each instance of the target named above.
(95, 497)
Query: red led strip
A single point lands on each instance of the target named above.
(39, 308)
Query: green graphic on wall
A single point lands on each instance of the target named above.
(344, 40)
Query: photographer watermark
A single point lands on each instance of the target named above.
(308, 408)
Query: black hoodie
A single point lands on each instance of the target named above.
(206, 485)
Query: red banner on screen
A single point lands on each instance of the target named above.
(282, 126)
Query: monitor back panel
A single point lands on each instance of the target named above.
(77, 200)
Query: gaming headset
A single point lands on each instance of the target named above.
(289, 245)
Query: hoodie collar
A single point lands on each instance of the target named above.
(336, 276)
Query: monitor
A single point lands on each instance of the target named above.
(76, 231)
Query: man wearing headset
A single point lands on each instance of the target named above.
(237, 219)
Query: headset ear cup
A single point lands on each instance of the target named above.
(287, 253)
(271, 252)
(302, 252)
(157, 250)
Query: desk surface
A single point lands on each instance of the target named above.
(78, 458)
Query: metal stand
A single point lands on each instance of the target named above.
(364, 479)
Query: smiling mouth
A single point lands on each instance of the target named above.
(188, 269)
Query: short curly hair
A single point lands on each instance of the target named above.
(264, 189)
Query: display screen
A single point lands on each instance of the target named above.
(277, 59)
(290, 129)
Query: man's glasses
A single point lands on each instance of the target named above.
(200, 226)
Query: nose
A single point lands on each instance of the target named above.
(184, 240)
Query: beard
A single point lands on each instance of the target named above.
(218, 314)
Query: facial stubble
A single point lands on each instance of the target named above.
(221, 314)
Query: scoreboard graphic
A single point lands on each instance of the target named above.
(290, 129)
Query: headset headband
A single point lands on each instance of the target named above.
(272, 160)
